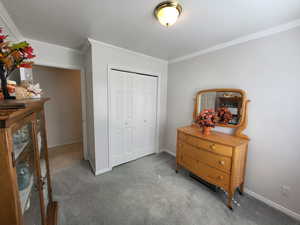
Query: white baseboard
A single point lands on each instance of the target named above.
(168, 151)
(99, 172)
(273, 204)
(69, 142)
(258, 197)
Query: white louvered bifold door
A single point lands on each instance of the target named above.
(132, 116)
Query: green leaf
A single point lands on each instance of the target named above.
(19, 45)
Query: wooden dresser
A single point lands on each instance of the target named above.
(219, 158)
(216, 157)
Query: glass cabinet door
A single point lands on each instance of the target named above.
(27, 175)
(43, 154)
(31, 161)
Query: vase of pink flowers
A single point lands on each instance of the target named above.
(207, 119)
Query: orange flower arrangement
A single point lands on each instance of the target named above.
(207, 118)
(13, 56)
(224, 115)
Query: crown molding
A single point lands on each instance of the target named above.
(9, 23)
(33, 41)
(85, 46)
(240, 40)
(126, 50)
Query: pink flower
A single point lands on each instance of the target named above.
(2, 37)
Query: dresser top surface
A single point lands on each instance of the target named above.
(215, 136)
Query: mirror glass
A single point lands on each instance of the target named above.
(232, 101)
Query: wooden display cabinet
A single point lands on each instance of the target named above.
(25, 184)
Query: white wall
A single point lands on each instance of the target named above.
(102, 56)
(63, 111)
(90, 109)
(269, 70)
(55, 55)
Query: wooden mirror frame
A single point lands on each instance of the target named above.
(243, 122)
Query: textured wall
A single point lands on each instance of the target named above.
(269, 70)
(103, 56)
(63, 111)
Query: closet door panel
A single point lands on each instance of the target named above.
(130, 123)
(147, 112)
(139, 114)
(116, 118)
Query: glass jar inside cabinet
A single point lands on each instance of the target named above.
(25, 183)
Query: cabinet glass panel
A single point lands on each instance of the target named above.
(43, 161)
(22, 140)
(26, 175)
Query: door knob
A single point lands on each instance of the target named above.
(213, 146)
(220, 177)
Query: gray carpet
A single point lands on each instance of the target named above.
(148, 191)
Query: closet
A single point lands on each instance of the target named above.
(132, 116)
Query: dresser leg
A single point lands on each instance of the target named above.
(177, 168)
(229, 200)
(241, 189)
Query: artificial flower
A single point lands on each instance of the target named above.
(26, 65)
(12, 56)
(225, 116)
(207, 118)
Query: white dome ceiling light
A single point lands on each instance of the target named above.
(168, 12)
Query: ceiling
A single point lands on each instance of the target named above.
(130, 24)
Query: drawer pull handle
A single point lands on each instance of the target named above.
(213, 146)
(222, 163)
(220, 177)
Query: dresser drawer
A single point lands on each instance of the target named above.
(210, 146)
(213, 176)
(217, 161)
(180, 144)
(181, 135)
(188, 162)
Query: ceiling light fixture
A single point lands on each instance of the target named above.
(167, 12)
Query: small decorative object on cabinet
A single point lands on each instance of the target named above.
(218, 158)
(25, 184)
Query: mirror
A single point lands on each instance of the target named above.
(231, 99)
